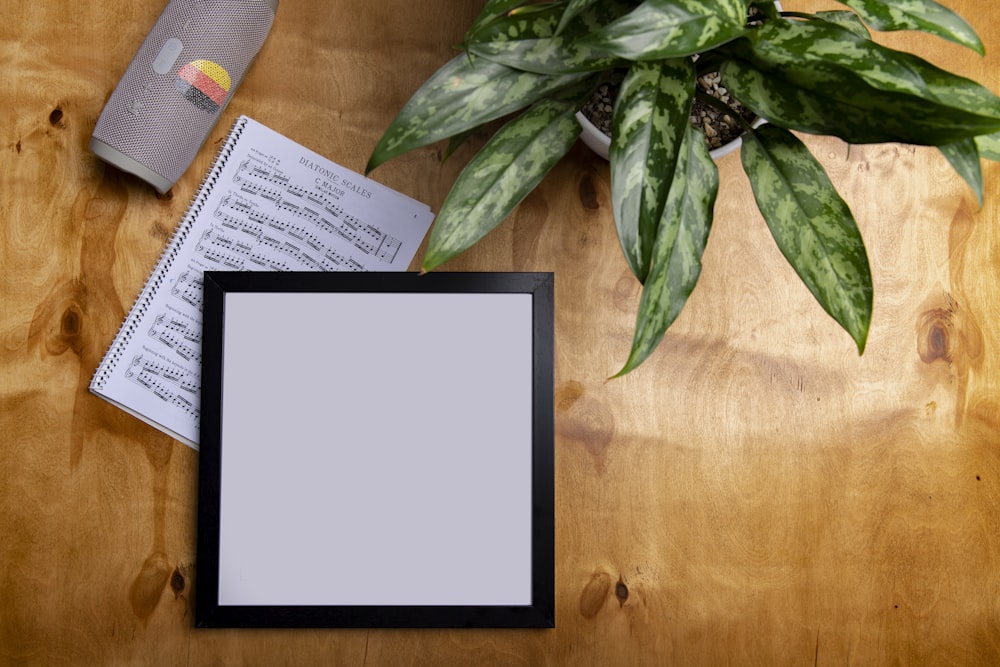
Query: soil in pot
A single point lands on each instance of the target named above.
(719, 128)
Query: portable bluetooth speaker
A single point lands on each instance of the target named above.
(177, 85)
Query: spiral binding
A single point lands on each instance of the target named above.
(163, 264)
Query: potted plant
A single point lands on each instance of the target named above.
(539, 62)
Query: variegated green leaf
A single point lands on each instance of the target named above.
(924, 15)
(680, 243)
(849, 108)
(573, 8)
(501, 174)
(662, 29)
(847, 20)
(462, 95)
(817, 77)
(529, 41)
(811, 53)
(812, 225)
(989, 146)
(649, 126)
(964, 157)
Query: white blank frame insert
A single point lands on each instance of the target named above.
(376, 450)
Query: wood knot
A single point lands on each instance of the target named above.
(625, 292)
(58, 323)
(72, 322)
(935, 336)
(595, 592)
(588, 193)
(145, 592)
(177, 582)
(588, 421)
(70, 336)
(621, 592)
(567, 394)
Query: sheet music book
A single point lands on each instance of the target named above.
(267, 204)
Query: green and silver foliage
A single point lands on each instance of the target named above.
(535, 63)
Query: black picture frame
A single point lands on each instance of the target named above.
(376, 450)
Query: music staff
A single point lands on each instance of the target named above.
(303, 244)
(189, 288)
(389, 249)
(258, 180)
(234, 254)
(177, 335)
(168, 382)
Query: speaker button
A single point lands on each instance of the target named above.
(167, 56)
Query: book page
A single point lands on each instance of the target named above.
(268, 204)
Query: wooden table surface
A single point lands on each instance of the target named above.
(756, 493)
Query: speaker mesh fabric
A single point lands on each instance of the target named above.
(161, 120)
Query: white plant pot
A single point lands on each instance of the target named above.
(595, 140)
(600, 143)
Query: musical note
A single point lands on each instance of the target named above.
(332, 260)
(167, 381)
(239, 224)
(189, 288)
(274, 194)
(390, 247)
(177, 335)
(310, 262)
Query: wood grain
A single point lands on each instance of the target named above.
(756, 493)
